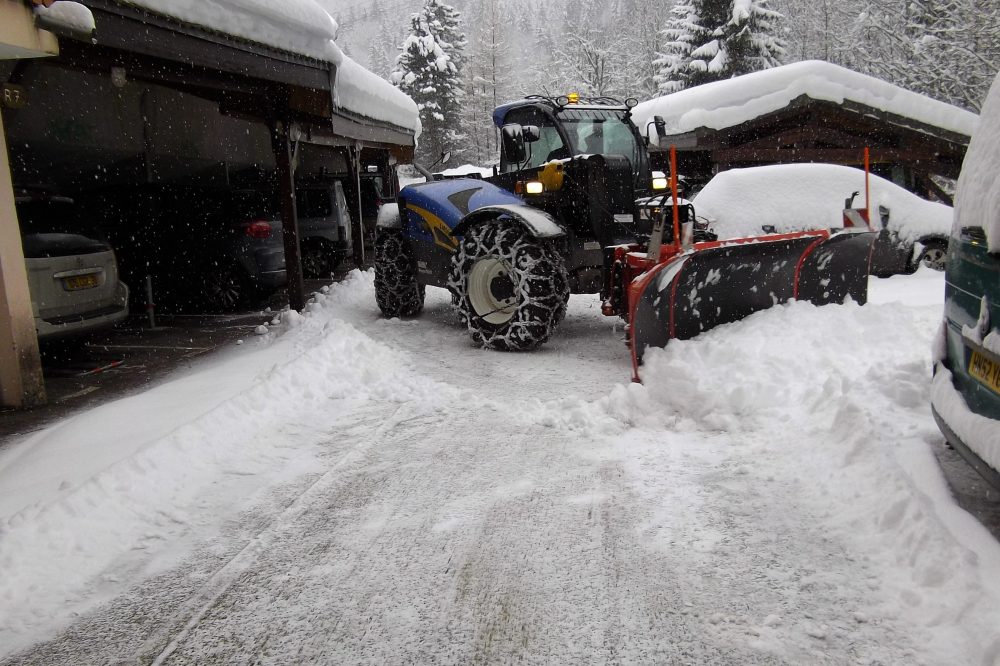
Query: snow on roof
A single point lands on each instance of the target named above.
(977, 198)
(302, 27)
(70, 15)
(297, 26)
(723, 104)
(369, 95)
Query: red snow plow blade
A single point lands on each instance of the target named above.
(719, 282)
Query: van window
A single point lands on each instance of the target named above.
(313, 202)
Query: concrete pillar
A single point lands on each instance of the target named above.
(21, 383)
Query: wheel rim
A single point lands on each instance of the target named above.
(491, 291)
(934, 257)
(312, 262)
(224, 290)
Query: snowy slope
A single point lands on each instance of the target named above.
(728, 103)
(354, 490)
(793, 197)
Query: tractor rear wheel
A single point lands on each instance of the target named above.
(397, 291)
(509, 289)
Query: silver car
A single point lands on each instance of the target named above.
(73, 279)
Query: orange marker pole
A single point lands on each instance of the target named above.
(868, 207)
(673, 189)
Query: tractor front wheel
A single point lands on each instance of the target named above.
(509, 289)
(397, 291)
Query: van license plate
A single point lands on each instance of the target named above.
(78, 282)
(986, 370)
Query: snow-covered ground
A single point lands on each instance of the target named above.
(347, 489)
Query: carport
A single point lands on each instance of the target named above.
(207, 93)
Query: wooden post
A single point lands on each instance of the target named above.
(673, 196)
(285, 173)
(357, 224)
(21, 381)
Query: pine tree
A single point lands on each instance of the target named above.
(711, 40)
(486, 76)
(429, 70)
(680, 36)
(940, 48)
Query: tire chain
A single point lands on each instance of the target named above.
(397, 291)
(540, 283)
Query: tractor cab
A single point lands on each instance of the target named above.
(538, 130)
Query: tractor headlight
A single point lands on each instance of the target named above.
(660, 180)
(534, 187)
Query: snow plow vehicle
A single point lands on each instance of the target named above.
(576, 208)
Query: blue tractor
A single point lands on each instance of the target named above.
(514, 246)
(573, 208)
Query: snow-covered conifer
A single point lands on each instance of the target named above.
(429, 70)
(710, 40)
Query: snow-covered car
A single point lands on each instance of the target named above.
(794, 197)
(965, 394)
(72, 277)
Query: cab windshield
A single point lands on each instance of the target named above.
(604, 132)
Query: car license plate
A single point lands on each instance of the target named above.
(77, 282)
(985, 369)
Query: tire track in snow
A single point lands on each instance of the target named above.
(224, 578)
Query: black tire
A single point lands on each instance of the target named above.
(934, 255)
(510, 290)
(224, 288)
(319, 259)
(397, 291)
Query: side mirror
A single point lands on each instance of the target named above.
(445, 157)
(512, 137)
(531, 133)
(661, 126)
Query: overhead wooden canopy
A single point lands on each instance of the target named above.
(810, 130)
(246, 78)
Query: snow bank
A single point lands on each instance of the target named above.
(80, 496)
(977, 199)
(795, 197)
(728, 103)
(303, 27)
(468, 169)
(821, 396)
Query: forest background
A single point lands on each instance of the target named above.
(946, 49)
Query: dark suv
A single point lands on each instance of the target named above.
(965, 395)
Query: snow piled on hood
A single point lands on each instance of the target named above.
(796, 197)
(737, 100)
(977, 200)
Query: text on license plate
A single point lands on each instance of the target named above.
(78, 282)
(985, 370)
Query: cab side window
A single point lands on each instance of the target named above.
(549, 146)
